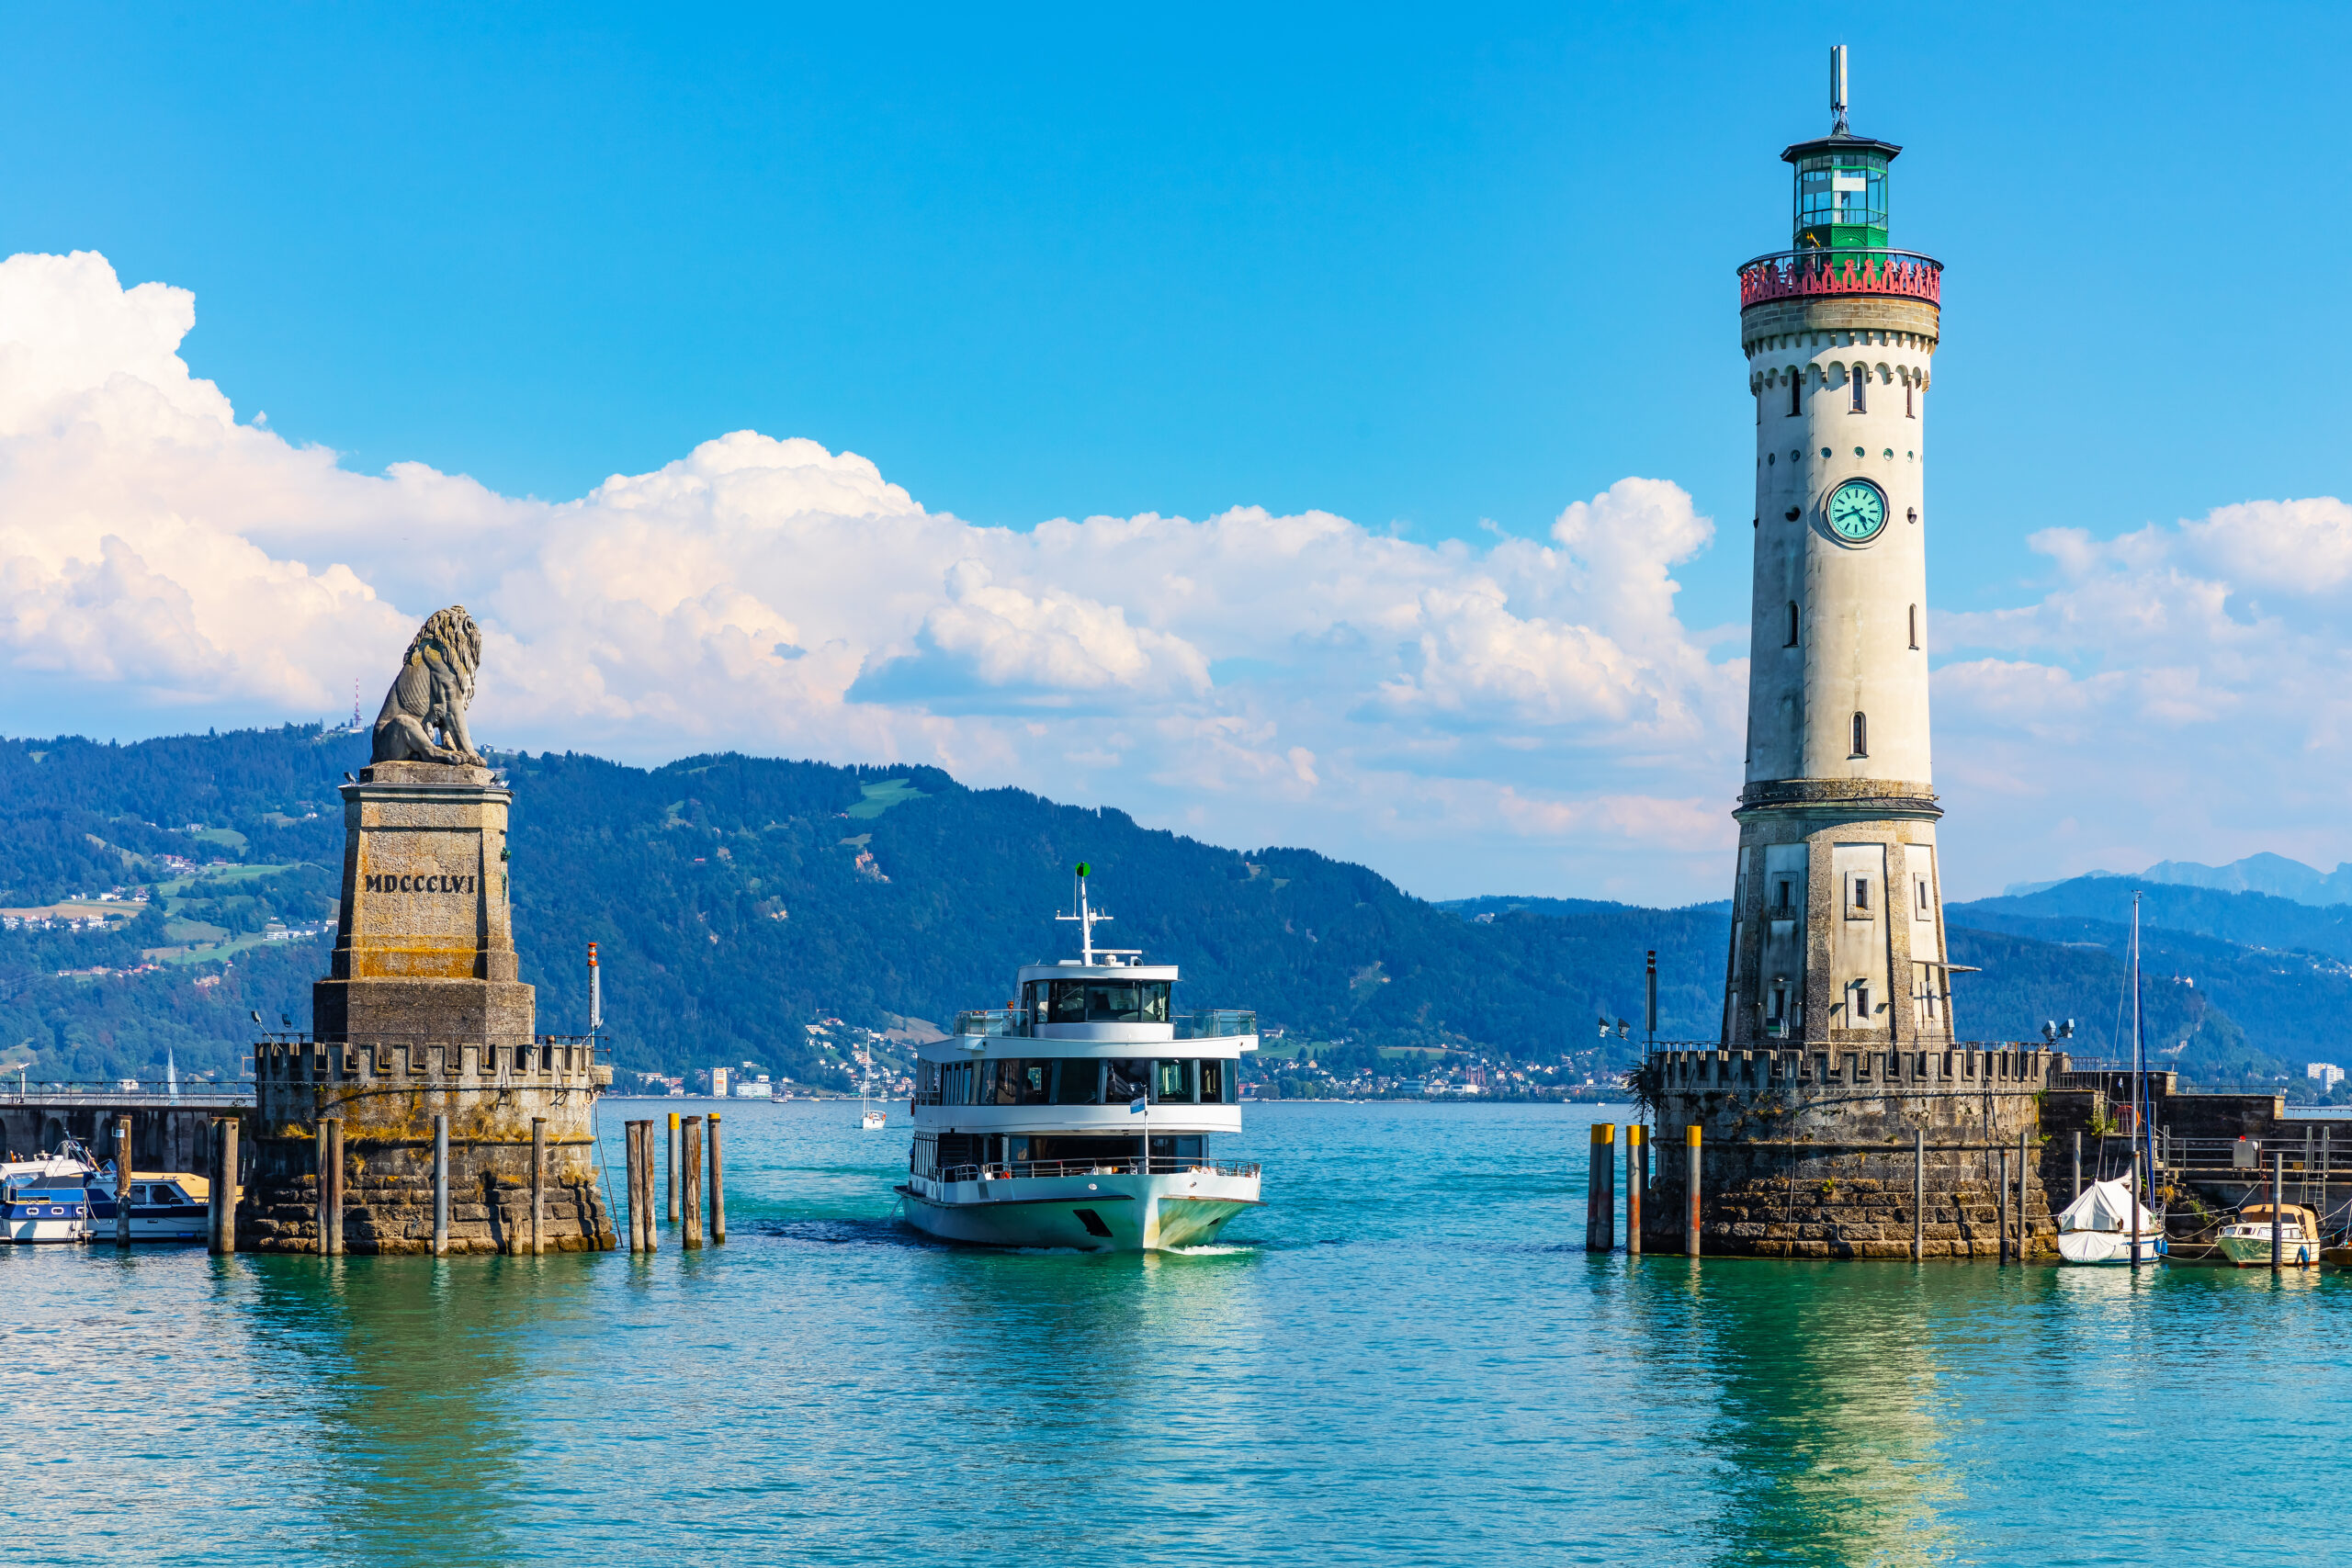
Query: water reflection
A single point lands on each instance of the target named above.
(419, 1369)
(1828, 1407)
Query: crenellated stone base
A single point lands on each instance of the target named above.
(386, 1217)
(1813, 1152)
(1813, 1210)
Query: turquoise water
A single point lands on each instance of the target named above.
(1406, 1356)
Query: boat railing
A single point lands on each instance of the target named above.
(990, 1022)
(1158, 1164)
(1217, 1023)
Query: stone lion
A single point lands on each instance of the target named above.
(434, 686)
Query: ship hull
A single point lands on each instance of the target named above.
(1084, 1214)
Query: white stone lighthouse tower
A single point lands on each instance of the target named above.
(1838, 933)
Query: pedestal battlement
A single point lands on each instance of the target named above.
(1829, 1153)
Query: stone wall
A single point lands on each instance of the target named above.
(1810, 1154)
(388, 1100)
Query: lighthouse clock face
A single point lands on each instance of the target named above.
(1857, 511)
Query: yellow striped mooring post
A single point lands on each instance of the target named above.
(1638, 1162)
(1690, 1185)
(1599, 1197)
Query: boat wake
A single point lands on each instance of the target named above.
(839, 1232)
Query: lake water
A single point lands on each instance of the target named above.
(1406, 1356)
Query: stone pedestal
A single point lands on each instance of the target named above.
(422, 1015)
(1810, 1154)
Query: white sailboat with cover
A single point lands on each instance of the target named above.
(2101, 1227)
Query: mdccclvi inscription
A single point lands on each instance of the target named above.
(392, 881)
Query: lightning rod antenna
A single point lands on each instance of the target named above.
(1838, 89)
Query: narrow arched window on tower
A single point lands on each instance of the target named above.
(1862, 736)
(1792, 624)
(1910, 409)
(1914, 625)
(1797, 395)
(1859, 378)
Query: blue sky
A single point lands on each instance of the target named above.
(1440, 273)
(1403, 265)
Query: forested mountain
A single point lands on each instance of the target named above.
(735, 900)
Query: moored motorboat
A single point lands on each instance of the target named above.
(2245, 1241)
(2099, 1227)
(1082, 1116)
(165, 1205)
(46, 1199)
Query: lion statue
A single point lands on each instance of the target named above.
(434, 686)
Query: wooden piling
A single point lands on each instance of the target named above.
(2277, 1188)
(331, 1186)
(222, 1235)
(2023, 1249)
(629, 1184)
(213, 1185)
(1637, 1157)
(652, 1234)
(2001, 1206)
(122, 1181)
(441, 1185)
(717, 1189)
(1690, 1223)
(1918, 1194)
(672, 1155)
(538, 1185)
(689, 1168)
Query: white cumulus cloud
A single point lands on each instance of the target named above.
(1532, 715)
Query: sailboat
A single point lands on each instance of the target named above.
(870, 1117)
(2100, 1227)
(2108, 1223)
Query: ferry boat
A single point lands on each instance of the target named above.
(1084, 1115)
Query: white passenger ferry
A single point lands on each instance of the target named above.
(1084, 1115)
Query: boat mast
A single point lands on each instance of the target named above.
(1085, 917)
(2139, 1081)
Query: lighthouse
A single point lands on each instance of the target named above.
(1838, 932)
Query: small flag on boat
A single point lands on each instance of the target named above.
(1135, 1106)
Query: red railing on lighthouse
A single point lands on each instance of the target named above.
(1793, 274)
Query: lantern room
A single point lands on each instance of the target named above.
(1841, 193)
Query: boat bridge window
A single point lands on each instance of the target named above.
(1173, 1080)
(1100, 1001)
(1178, 1082)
